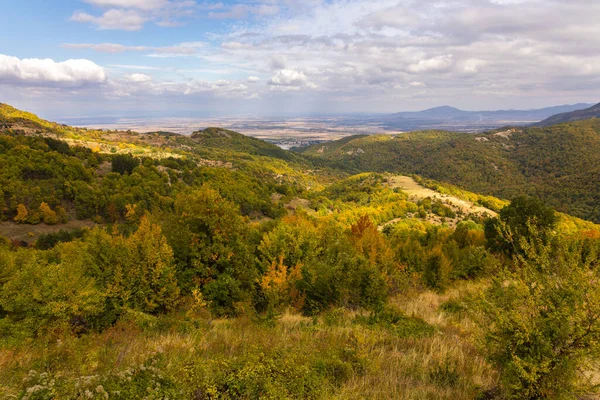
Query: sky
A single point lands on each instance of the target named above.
(198, 58)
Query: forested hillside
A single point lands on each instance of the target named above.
(218, 266)
(559, 164)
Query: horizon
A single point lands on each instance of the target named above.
(98, 118)
(172, 58)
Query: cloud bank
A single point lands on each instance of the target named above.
(38, 72)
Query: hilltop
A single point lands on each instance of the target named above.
(229, 140)
(592, 112)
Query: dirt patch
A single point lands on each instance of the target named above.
(505, 134)
(104, 169)
(30, 233)
(417, 192)
(297, 202)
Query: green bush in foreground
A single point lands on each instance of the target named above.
(542, 322)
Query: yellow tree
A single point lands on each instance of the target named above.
(22, 214)
(48, 214)
(150, 275)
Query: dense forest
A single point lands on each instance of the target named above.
(559, 163)
(218, 266)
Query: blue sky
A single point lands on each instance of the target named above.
(73, 58)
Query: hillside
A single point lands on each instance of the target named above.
(592, 112)
(229, 140)
(73, 171)
(217, 266)
(559, 164)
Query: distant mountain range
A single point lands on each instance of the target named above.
(592, 112)
(451, 118)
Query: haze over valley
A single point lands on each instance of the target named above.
(301, 131)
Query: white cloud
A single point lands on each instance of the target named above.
(368, 55)
(434, 64)
(141, 4)
(132, 15)
(289, 79)
(278, 62)
(138, 78)
(241, 11)
(114, 19)
(471, 65)
(46, 72)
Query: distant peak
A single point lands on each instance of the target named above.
(443, 108)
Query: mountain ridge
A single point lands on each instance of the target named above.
(446, 111)
(577, 115)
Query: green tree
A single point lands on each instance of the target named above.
(48, 215)
(22, 214)
(517, 221)
(137, 272)
(124, 163)
(437, 270)
(151, 279)
(210, 238)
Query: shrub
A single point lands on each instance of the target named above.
(437, 270)
(395, 320)
(39, 296)
(541, 320)
(48, 215)
(124, 163)
(49, 240)
(519, 219)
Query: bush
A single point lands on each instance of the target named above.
(541, 320)
(124, 163)
(518, 220)
(39, 296)
(437, 270)
(395, 320)
(49, 240)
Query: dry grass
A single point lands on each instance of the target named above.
(442, 366)
(445, 366)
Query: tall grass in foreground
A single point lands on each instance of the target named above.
(413, 350)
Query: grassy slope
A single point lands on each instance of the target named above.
(331, 357)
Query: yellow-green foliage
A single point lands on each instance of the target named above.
(330, 285)
(558, 163)
(135, 272)
(39, 297)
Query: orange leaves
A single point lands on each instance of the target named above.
(279, 283)
(363, 225)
